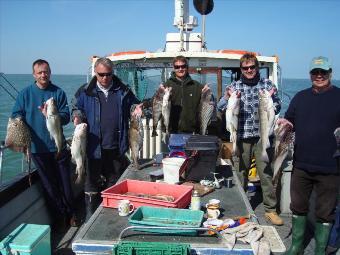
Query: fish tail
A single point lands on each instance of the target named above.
(154, 132)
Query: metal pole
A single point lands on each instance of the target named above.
(203, 33)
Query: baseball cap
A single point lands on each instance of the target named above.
(320, 63)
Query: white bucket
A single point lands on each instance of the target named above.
(171, 168)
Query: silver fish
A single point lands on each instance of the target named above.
(166, 107)
(266, 114)
(206, 109)
(53, 124)
(78, 150)
(18, 137)
(284, 140)
(136, 134)
(157, 102)
(337, 138)
(231, 116)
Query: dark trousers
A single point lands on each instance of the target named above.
(326, 188)
(103, 173)
(55, 177)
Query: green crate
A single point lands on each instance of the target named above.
(147, 248)
(146, 216)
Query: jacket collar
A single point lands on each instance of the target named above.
(91, 88)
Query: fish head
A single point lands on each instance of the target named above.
(337, 135)
(51, 106)
(80, 129)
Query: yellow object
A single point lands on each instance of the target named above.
(252, 169)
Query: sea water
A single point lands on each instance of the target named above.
(12, 162)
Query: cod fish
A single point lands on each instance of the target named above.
(231, 116)
(157, 103)
(53, 124)
(206, 110)
(18, 137)
(266, 115)
(136, 134)
(284, 139)
(166, 107)
(337, 138)
(78, 150)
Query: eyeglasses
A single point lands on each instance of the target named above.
(104, 74)
(245, 68)
(180, 67)
(319, 71)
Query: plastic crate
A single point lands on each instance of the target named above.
(143, 248)
(203, 163)
(180, 193)
(27, 239)
(166, 217)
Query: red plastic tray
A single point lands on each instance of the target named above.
(180, 193)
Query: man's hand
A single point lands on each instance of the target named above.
(76, 120)
(138, 110)
(43, 109)
(205, 88)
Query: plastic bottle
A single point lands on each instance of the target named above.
(195, 201)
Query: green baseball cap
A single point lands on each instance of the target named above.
(320, 63)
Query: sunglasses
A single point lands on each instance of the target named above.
(245, 68)
(104, 74)
(180, 67)
(319, 71)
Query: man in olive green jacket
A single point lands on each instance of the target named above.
(185, 98)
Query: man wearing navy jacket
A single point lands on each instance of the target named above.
(314, 114)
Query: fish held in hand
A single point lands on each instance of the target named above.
(18, 137)
(284, 140)
(136, 134)
(157, 103)
(166, 108)
(53, 124)
(206, 110)
(266, 114)
(78, 150)
(231, 115)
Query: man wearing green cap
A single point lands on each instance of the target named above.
(314, 114)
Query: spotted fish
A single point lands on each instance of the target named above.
(231, 116)
(266, 114)
(337, 138)
(157, 103)
(166, 108)
(136, 134)
(18, 137)
(206, 110)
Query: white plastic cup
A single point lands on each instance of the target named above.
(171, 168)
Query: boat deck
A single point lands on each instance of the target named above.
(103, 229)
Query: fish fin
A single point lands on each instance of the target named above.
(154, 133)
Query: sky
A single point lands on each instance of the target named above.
(69, 33)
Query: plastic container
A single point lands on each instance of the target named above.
(171, 168)
(166, 217)
(141, 193)
(206, 150)
(142, 248)
(27, 239)
(177, 141)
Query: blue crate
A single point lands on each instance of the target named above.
(27, 239)
(178, 141)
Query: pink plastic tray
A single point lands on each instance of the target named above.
(180, 193)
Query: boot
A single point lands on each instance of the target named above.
(299, 226)
(92, 201)
(321, 237)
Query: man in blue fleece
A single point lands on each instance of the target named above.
(54, 172)
(105, 104)
(314, 114)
